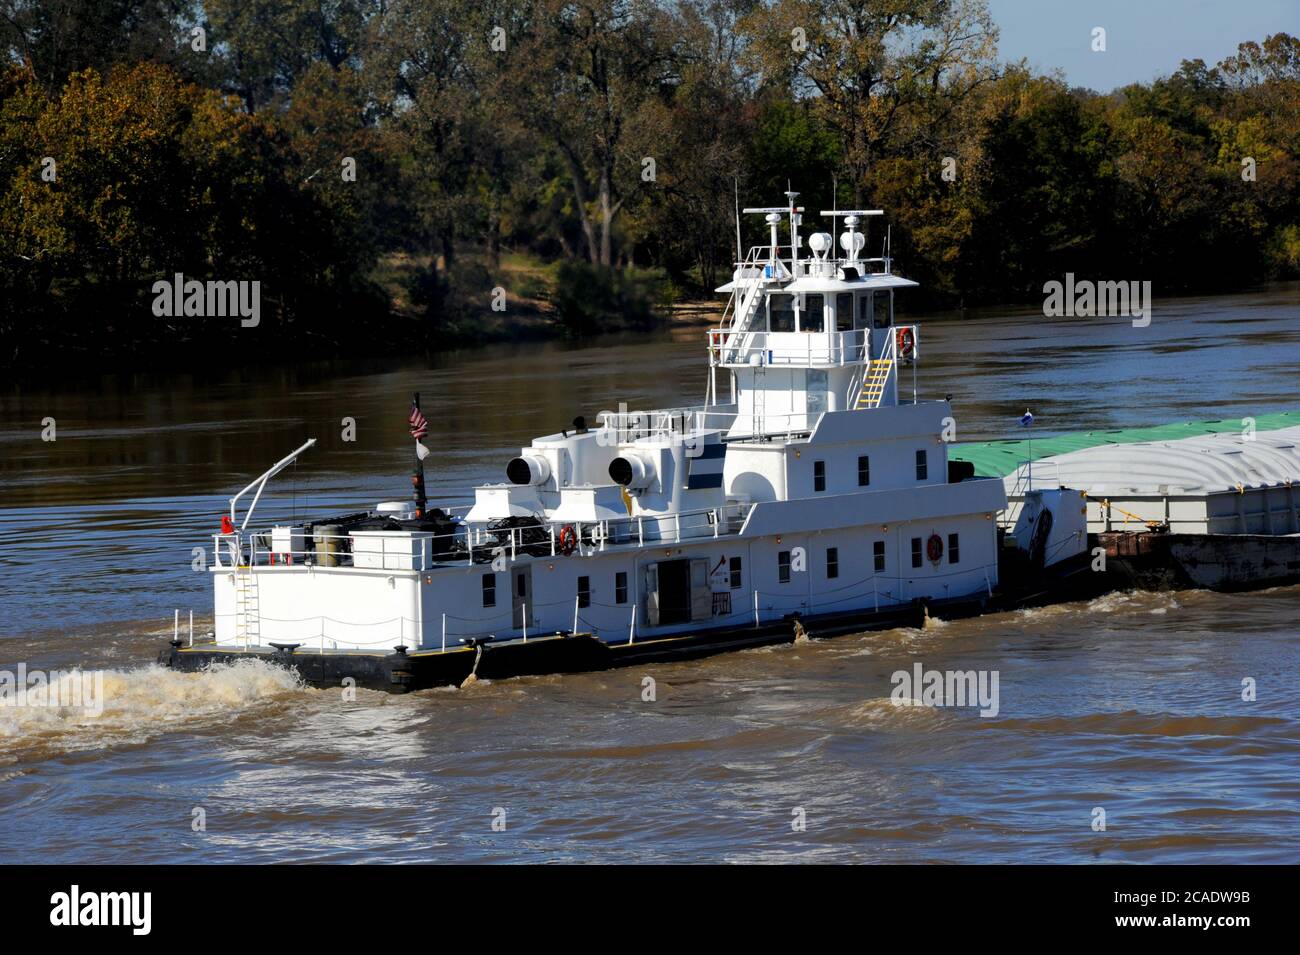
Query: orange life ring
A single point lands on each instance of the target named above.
(568, 542)
(934, 548)
(905, 341)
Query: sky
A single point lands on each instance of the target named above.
(1144, 38)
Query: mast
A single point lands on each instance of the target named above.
(417, 472)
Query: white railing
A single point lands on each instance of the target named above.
(475, 543)
(629, 426)
(805, 349)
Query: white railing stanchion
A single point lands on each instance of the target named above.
(575, 615)
(444, 631)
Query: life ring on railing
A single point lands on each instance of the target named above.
(568, 541)
(934, 548)
(905, 341)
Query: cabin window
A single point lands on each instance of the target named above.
(780, 313)
(735, 573)
(862, 320)
(878, 553)
(844, 312)
(916, 552)
(922, 468)
(882, 304)
(953, 554)
(819, 475)
(864, 470)
(620, 587)
(813, 318)
(584, 591)
(832, 563)
(783, 566)
(489, 590)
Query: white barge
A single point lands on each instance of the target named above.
(811, 492)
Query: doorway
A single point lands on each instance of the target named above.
(520, 588)
(674, 591)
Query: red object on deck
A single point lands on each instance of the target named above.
(226, 526)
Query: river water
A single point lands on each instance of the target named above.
(1131, 704)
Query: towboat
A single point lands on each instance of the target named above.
(810, 494)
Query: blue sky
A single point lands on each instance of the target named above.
(1144, 38)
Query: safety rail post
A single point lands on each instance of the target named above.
(444, 631)
(523, 618)
(631, 627)
(755, 608)
(191, 628)
(575, 615)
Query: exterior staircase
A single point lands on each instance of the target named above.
(873, 384)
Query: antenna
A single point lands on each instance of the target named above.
(740, 252)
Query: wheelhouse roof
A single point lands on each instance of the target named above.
(809, 283)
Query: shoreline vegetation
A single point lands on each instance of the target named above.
(408, 177)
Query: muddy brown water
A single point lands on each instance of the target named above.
(1131, 703)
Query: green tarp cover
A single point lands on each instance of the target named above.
(1000, 458)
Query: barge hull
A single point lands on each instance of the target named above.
(1224, 562)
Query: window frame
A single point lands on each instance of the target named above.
(918, 552)
(489, 590)
(832, 563)
(864, 470)
(954, 548)
(584, 592)
(783, 573)
(878, 556)
(620, 586)
(819, 477)
(922, 465)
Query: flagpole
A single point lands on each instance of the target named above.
(417, 473)
(1031, 452)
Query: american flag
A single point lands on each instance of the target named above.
(419, 426)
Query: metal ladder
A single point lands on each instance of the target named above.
(248, 616)
(873, 385)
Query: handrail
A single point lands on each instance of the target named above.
(805, 348)
(469, 542)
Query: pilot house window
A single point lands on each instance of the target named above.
(844, 312)
(882, 306)
(813, 317)
(780, 313)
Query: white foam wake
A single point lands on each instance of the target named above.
(138, 704)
